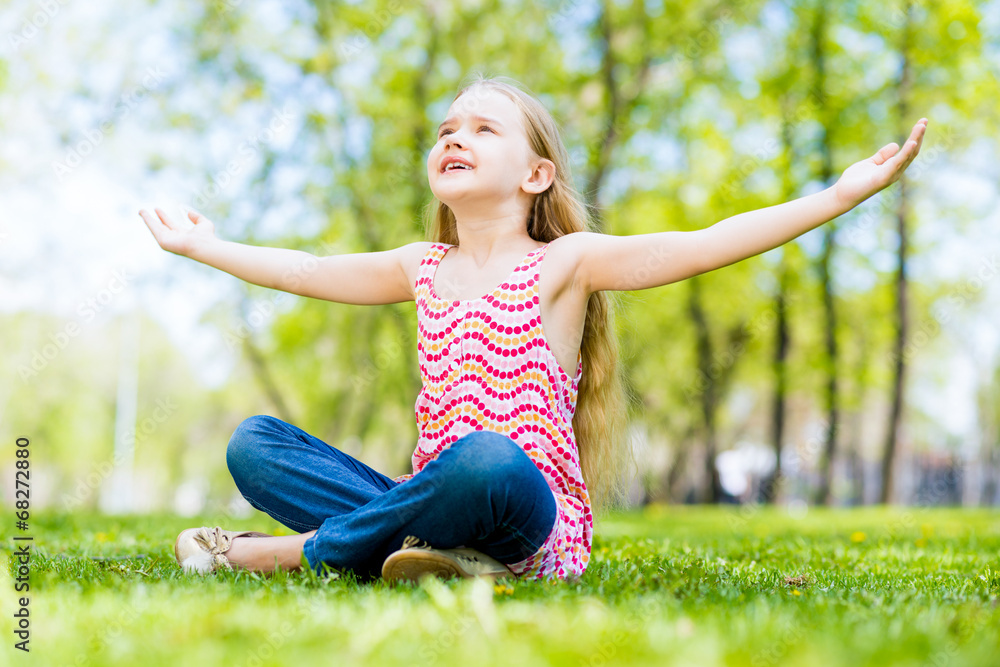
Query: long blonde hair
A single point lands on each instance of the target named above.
(601, 420)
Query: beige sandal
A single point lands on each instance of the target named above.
(417, 558)
(202, 549)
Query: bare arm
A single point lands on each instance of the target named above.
(643, 261)
(363, 278)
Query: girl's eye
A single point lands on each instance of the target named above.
(481, 127)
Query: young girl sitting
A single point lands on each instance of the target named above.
(513, 326)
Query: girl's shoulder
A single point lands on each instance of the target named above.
(412, 254)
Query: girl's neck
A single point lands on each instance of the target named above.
(481, 239)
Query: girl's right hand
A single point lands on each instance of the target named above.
(179, 237)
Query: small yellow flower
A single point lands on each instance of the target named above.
(796, 592)
(857, 537)
(101, 537)
(503, 589)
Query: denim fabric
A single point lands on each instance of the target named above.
(482, 492)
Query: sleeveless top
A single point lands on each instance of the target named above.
(485, 365)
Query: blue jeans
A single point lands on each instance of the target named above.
(482, 492)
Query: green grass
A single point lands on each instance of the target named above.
(666, 586)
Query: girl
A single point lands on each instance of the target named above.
(513, 326)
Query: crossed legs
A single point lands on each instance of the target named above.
(482, 492)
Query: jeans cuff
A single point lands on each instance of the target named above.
(309, 554)
(520, 565)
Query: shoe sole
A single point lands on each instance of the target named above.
(412, 564)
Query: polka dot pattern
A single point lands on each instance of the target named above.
(485, 365)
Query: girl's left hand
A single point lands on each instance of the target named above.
(863, 179)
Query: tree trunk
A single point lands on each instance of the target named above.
(716, 383)
(771, 486)
(677, 466)
(263, 373)
(712, 490)
(830, 404)
(619, 104)
(856, 462)
(988, 403)
(902, 329)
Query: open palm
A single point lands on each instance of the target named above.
(179, 236)
(863, 179)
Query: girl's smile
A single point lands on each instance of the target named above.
(455, 163)
(483, 135)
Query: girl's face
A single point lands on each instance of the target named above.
(483, 131)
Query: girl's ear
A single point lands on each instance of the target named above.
(541, 177)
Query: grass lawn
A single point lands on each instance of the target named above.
(666, 586)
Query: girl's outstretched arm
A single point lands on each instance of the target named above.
(649, 260)
(363, 278)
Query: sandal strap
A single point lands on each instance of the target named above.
(217, 541)
(413, 542)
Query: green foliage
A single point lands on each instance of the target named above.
(673, 117)
(668, 586)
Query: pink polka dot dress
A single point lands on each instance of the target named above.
(485, 365)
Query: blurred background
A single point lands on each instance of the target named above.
(855, 365)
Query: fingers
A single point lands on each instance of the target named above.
(155, 226)
(918, 129)
(912, 146)
(918, 133)
(196, 217)
(167, 222)
(894, 158)
(885, 153)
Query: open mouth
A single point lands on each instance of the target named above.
(455, 163)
